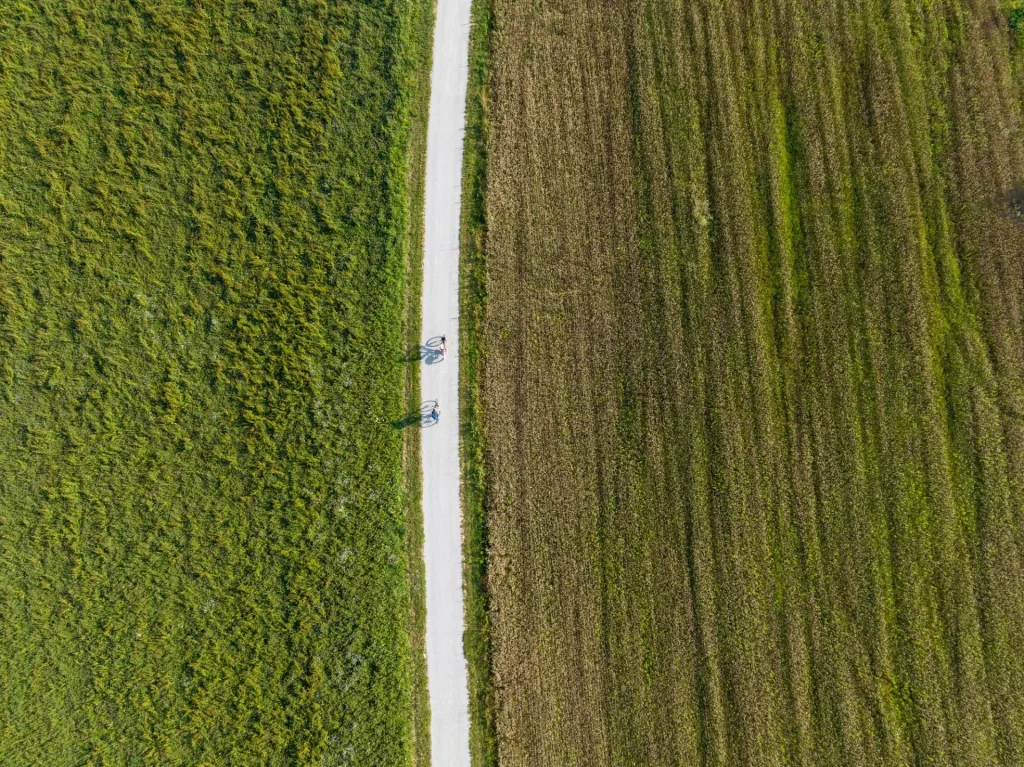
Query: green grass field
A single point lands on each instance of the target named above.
(750, 384)
(204, 235)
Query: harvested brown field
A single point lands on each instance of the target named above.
(752, 383)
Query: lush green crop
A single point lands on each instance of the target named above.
(203, 241)
(1015, 15)
(1015, 21)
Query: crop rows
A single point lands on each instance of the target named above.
(752, 383)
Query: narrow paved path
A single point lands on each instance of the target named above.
(439, 380)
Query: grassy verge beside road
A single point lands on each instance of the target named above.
(473, 300)
(419, 110)
(752, 384)
(204, 245)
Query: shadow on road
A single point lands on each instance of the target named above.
(430, 352)
(419, 417)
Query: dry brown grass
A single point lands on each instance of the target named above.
(752, 384)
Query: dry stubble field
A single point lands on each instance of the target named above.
(752, 383)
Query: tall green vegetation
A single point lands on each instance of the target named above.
(1014, 10)
(752, 383)
(204, 228)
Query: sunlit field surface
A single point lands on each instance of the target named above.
(203, 224)
(752, 383)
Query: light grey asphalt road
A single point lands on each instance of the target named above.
(439, 379)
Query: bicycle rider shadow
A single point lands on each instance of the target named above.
(421, 417)
(430, 352)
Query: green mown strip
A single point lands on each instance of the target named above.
(483, 736)
(419, 89)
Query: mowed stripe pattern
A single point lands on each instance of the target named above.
(753, 383)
